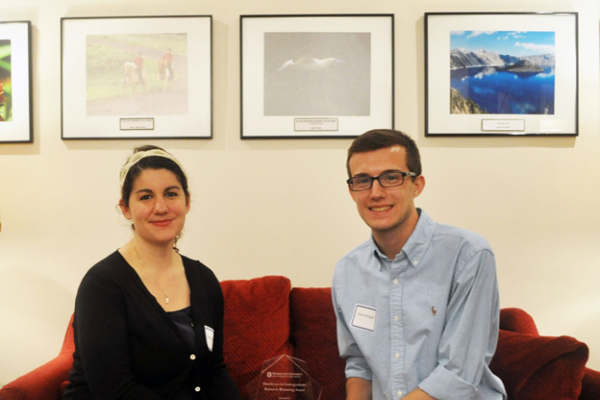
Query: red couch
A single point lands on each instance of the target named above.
(265, 317)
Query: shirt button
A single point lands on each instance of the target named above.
(395, 281)
(397, 355)
(396, 317)
(193, 357)
(416, 262)
(399, 393)
(197, 388)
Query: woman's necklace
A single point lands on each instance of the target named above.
(152, 275)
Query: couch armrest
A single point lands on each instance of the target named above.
(44, 383)
(540, 367)
(590, 389)
(517, 320)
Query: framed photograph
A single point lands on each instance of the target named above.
(137, 77)
(493, 74)
(316, 76)
(16, 117)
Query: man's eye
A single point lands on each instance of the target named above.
(393, 177)
(362, 181)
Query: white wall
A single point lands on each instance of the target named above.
(535, 199)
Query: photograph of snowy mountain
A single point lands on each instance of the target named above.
(502, 72)
(317, 73)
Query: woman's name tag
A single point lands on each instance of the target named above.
(210, 336)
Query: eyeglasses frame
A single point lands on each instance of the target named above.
(373, 178)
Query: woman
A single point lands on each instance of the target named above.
(148, 321)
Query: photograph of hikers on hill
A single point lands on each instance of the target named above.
(137, 74)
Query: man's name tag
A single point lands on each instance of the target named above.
(364, 318)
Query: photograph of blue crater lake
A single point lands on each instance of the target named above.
(501, 72)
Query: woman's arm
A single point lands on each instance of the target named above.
(101, 340)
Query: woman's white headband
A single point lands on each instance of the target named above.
(143, 154)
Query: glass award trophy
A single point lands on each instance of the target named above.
(284, 378)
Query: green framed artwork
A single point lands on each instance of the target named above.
(15, 82)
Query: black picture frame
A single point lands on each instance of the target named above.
(316, 76)
(166, 95)
(484, 90)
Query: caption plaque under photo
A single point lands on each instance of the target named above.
(316, 76)
(137, 77)
(491, 74)
(136, 124)
(316, 124)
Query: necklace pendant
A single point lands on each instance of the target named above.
(167, 300)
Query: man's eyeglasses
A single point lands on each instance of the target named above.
(388, 179)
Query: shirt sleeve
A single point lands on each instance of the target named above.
(470, 337)
(101, 338)
(356, 365)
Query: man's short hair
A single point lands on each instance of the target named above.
(380, 139)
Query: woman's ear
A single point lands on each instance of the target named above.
(124, 209)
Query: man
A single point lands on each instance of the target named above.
(417, 305)
(139, 67)
(168, 59)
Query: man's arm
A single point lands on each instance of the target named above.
(359, 389)
(358, 385)
(470, 335)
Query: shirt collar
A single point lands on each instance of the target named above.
(418, 242)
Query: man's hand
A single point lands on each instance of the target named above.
(359, 389)
(418, 394)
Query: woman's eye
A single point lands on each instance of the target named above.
(145, 197)
(172, 194)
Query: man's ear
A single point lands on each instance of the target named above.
(352, 193)
(419, 185)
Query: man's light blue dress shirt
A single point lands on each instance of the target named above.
(428, 319)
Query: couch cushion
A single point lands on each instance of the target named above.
(540, 367)
(315, 339)
(257, 325)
